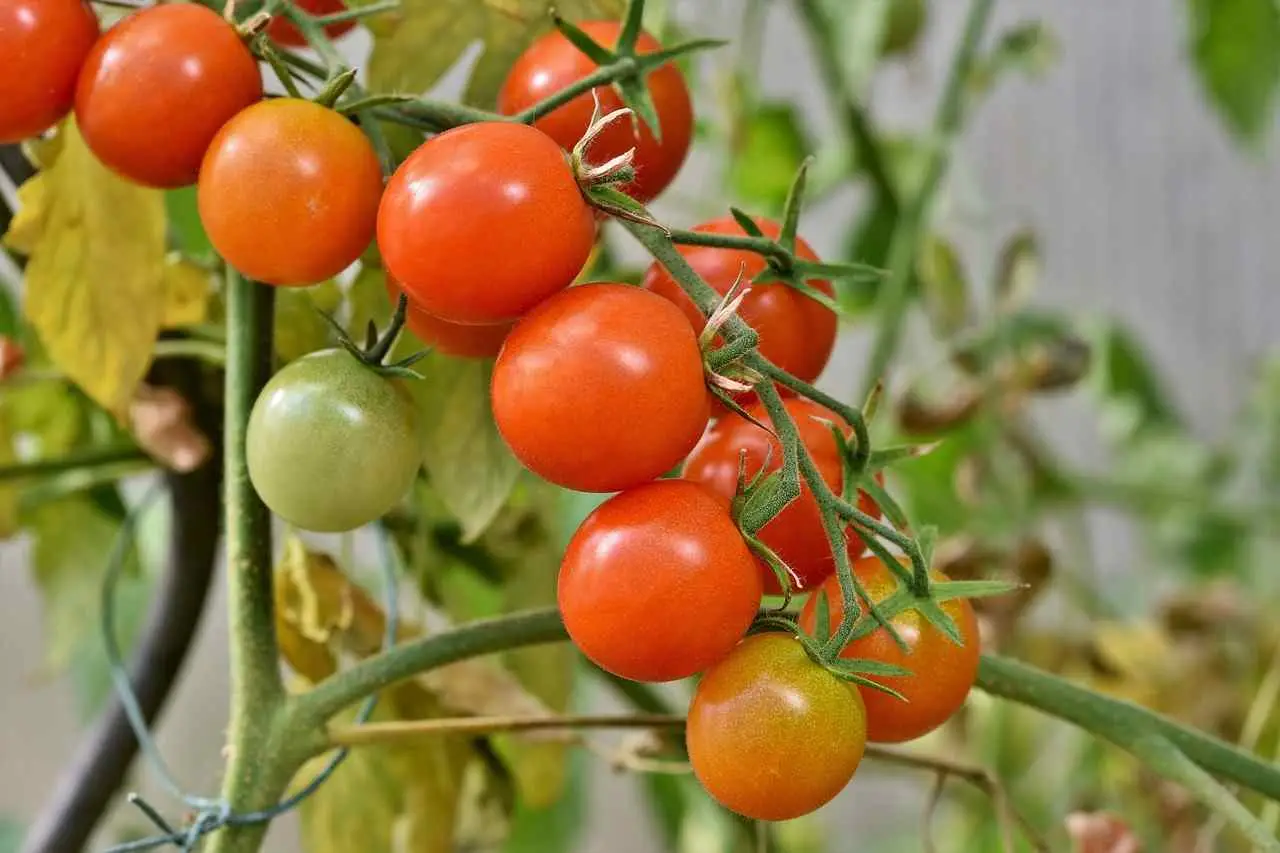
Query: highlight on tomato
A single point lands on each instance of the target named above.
(43, 45)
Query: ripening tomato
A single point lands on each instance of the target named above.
(796, 534)
(289, 192)
(657, 583)
(158, 86)
(283, 32)
(483, 222)
(771, 734)
(600, 388)
(43, 44)
(797, 333)
(942, 672)
(552, 62)
(331, 444)
(451, 338)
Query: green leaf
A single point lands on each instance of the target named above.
(300, 326)
(1127, 384)
(556, 826)
(771, 146)
(95, 285)
(869, 244)
(368, 301)
(940, 619)
(944, 285)
(1030, 49)
(868, 666)
(1236, 47)
(892, 510)
(414, 47)
(859, 30)
(186, 232)
(1018, 271)
(10, 320)
(470, 467)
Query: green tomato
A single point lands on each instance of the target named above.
(332, 445)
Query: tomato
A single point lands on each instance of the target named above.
(771, 734)
(796, 534)
(289, 192)
(331, 444)
(552, 62)
(657, 583)
(43, 43)
(942, 672)
(483, 222)
(600, 388)
(797, 333)
(451, 338)
(158, 86)
(283, 32)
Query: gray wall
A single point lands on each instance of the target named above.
(1146, 211)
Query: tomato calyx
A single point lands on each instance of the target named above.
(727, 371)
(600, 183)
(335, 87)
(378, 347)
(252, 27)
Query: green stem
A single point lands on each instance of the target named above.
(206, 351)
(895, 296)
(603, 75)
(88, 459)
(760, 245)
(255, 774)
(357, 13)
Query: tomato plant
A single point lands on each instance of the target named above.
(941, 671)
(773, 735)
(666, 548)
(483, 222)
(600, 388)
(289, 192)
(158, 86)
(283, 32)
(43, 44)
(457, 339)
(797, 333)
(796, 534)
(331, 444)
(553, 62)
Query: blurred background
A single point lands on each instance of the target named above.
(1152, 221)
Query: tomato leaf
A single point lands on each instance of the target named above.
(1236, 45)
(1018, 272)
(95, 284)
(186, 231)
(868, 666)
(944, 285)
(186, 293)
(1029, 48)
(300, 326)
(413, 48)
(771, 146)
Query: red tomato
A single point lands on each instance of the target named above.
(796, 534)
(797, 333)
(289, 192)
(43, 43)
(158, 86)
(771, 734)
(483, 222)
(657, 583)
(552, 63)
(451, 338)
(282, 32)
(942, 672)
(600, 388)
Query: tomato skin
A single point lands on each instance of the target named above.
(600, 388)
(797, 333)
(483, 222)
(284, 33)
(796, 534)
(552, 62)
(289, 192)
(43, 44)
(942, 672)
(158, 86)
(771, 734)
(331, 444)
(455, 339)
(657, 583)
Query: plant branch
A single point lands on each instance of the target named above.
(79, 461)
(895, 296)
(375, 733)
(760, 245)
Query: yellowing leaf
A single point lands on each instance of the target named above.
(95, 284)
(299, 326)
(8, 493)
(186, 293)
(414, 47)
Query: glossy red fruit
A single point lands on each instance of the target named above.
(600, 388)
(552, 63)
(43, 44)
(771, 734)
(942, 673)
(796, 534)
(451, 338)
(657, 583)
(284, 33)
(158, 86)
(289, 192)
(483, 222)
(797, 333)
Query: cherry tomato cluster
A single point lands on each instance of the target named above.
(597, 387)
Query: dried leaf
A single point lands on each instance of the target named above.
(161, 421)
(1099, 832)
(95, 284)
